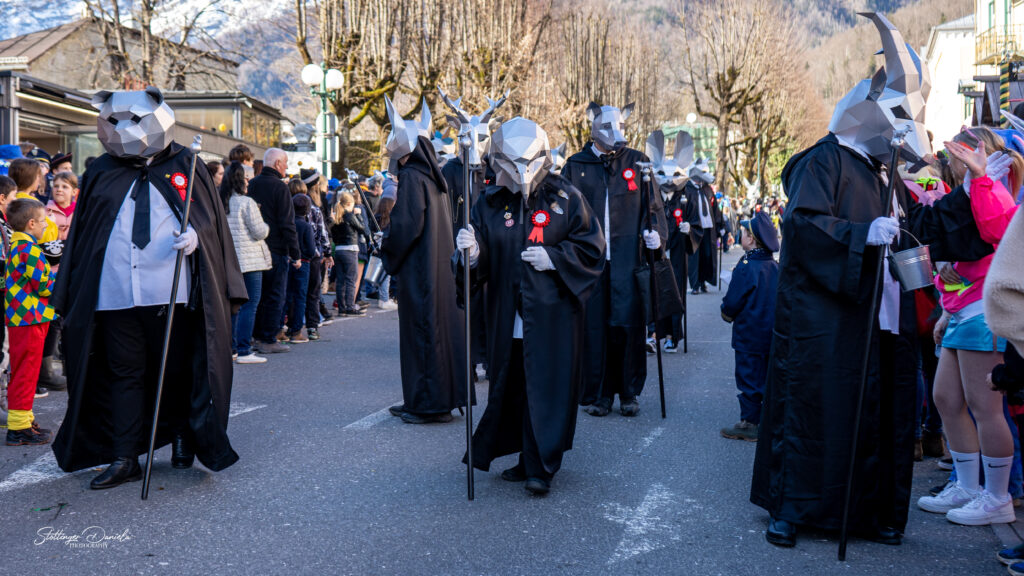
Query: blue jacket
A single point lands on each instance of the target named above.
(750, 302)
(307, 241)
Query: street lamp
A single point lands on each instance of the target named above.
(323, 83)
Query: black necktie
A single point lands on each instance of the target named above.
(704, 204)
(140, 225)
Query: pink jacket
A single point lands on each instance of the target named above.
(993, 208)
(62, 220)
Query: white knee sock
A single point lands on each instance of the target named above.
(967, 469)
(997, 476)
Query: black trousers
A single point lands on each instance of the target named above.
(133, 341)
(272, 300)
(704, 261)
(515, 398)
(316, 284)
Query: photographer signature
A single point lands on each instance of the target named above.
(92, 536)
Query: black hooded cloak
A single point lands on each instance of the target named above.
(615, 301)
(84, 436)
(551, 306)
(704, 258)
(827, 272)
(416, 250)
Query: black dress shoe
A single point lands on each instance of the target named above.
(516, 473)
(410, 418)
(537, 486)
(397, 410)
(600, 408)
(182, 455)
(629, 408)
(121, 471)
(780, 533)
(887, 536)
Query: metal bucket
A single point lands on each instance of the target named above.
(374, 270)
(913, 267)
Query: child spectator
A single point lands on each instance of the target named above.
(345, 233)
(61, 207)
(26, 174)
(750, 306)
(298, 276)
(28, 287)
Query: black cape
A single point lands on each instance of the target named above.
(551, 306)
(680, 246)
(826, 276)
(416, 250)
(84, 436)
(454, 176)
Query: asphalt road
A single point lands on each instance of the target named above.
(328, 483)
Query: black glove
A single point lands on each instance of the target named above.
(1009, 376)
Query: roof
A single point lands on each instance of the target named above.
(34, 45)
(214, 97)
(967, 22)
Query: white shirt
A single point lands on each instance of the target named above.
(517, 328)
(131, 277)
(706, 221)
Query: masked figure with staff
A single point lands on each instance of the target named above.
(538, 248)
(114, 292)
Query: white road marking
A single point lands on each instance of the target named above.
(45, 469)
(237, 408)
(646, 441)
(42, 470)
(370, 421)
(645, 529)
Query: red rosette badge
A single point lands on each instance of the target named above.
(540, 220)
(629, 175)
(180, 183)
(678, 213)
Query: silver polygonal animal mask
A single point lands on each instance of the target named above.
(558, 158)
(133, 124)
(520, 155)
(670, 173)
(608, 125)
(866, 117)
(474, 131)
(404, 133)
(700, 172)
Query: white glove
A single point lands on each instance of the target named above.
(882, 231)
(721, 233)
(466, 240)
(684, 227)
(537, 257)
(652, 240)
(187, 242)
(377, 237)
(998, 166)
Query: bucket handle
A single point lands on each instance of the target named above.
(919, 243)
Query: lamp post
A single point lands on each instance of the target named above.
(323, 83)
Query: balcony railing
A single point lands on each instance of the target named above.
(997, 43)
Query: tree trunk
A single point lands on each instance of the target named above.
(722, 170)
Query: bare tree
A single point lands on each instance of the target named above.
(597, 65)
(362, 38)
(139, 55)
(730, 50)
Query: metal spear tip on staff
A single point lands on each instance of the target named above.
(898, 140)
(197, 146)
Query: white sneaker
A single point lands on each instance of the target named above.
(250, 359)
(387, 305)
(983, 510)
(952, 496)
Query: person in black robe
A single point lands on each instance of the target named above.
(709, 228)
(683, 238)
(827, 272)
(416, 251)
(536, 284)
(606, 173)
(112, 357)
(454, 176)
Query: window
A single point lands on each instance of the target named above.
(219, 120)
